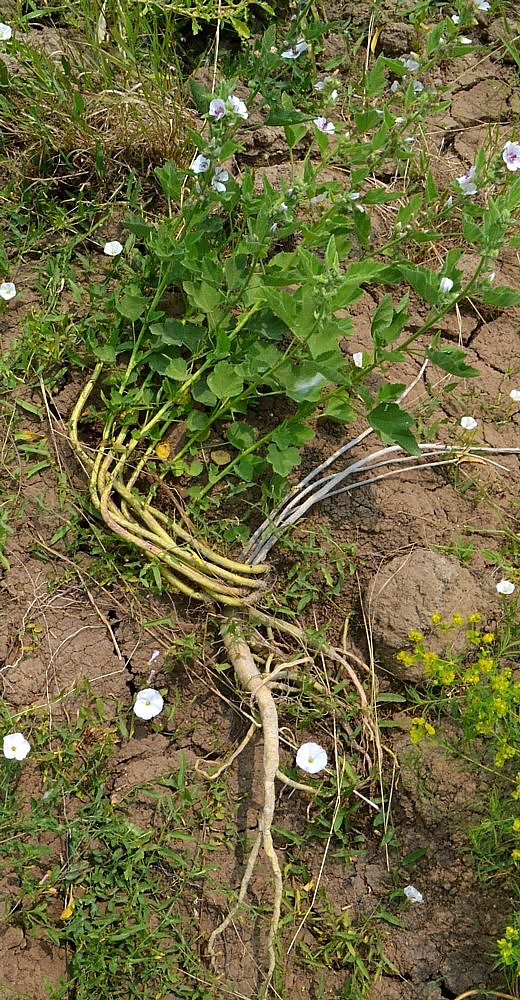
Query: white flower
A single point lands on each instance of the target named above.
(217, 108)
(446, 285)
(218, 181)
(301, 46)
(113, 248)
(154, 655)
(465, 41)
(399, 121)
(311, 758)
(411, 64)
(321, 84)
(16, 747)
(449, 202)
(5, 32)
(511, 155)
(7, 290)
(413, 894)
(410, 139)
(467, 183)
(492, 276)
(468, 423)
(418, 87)
(238, 107)
(394, 87)
(515, 395)
(328, 128)
(482, 5)
(334, 95)
(318, 198)
(358, 359)
(148, 704)
(199, 164)
(505, 587)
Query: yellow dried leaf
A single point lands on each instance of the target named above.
(162, 450)
(375, 39)
(67, 912)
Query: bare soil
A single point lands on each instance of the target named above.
(59, 628)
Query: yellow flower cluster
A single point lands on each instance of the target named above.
(508, 947)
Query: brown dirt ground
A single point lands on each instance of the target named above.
(59, 627)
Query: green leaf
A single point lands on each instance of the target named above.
(131, 304)
(393, 426)
(201, 394)
(225, 380)
(303, 383)
(177, 331)
(176, 369)
(240, 435)
(250, 468)
(452, 360)
(423, 281)
(283, 462)
(375, 78)
(501, 296)
(286, 116)
(339, 408)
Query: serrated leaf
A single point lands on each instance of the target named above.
(501, 296)
(452, 360)
(393, 426)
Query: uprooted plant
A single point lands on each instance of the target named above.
(217, 315)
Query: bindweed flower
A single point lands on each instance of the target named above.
(217, 108)
(515, 395)
(466, 182)
(16, 747)
(321, 84)
(237, 107)
(455, 18)
(318, 198)
(482, 5)
(505, 588)
(200, 164)
(323, 125)
(7, 290)
(156, 653)
(446, 285)
(311, 758)
(357, 358)
(219, 179)
(148, 704)
(468, 423)
(296, 50)
(412, 894)
(418, 87)
(113, 248)
(464, 40)
(511, 155)
(5, 32)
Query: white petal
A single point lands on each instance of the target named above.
(506, 588)
(5, 32)
(468, 423)
(311, 758)
(148, 704)
(413, 894)
(113, 248)
(15, 746)
(7, 290)
(515, 395)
